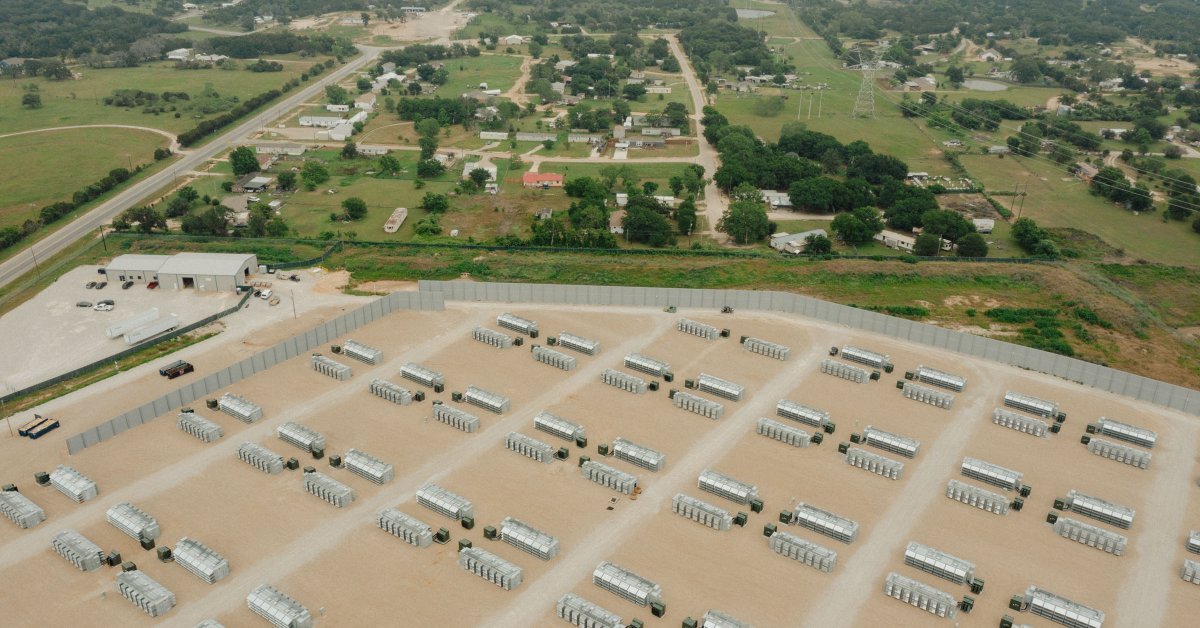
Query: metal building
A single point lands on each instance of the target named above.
(147, 594)
(492, 337)
(624, 583)
(578, 343)
(133, 521)
(260, 458)
(1060, 610)
(624, 381)
(870, 358)
(78, 550)
(844, 371)
(410, 529)
(1096, 508)
(801, 550)
(994, 474)
(580, 612)
(200, 427)
(200, 560)
(328, 489)
(939, 563)
(700, 511)
(518, 324)
(638, 455)
(1032, 405)
(73, 484)
(1126, 432)
(825, 522)
(529, 447)
(282, 611)
(1193, 542)
(937, 378)
(303, 437)
(804, 414)
(1088, 534)
(763, 347)
(444, 502)
(392, 392)
(456, 418)
(719, 387)
(1190, 571)
(699, 405)
(489, 401)
(716, 619)
(528, 539)
(650, 366)
(888, 441)
(331, 367)
(361, 352)
(781, 432)
(239, 408)
(689, 326)
(1020, 423)
(724, 486)
(875, 463)
(925, 394)
(557, 359)
(974, 496)
(920, 595)
(1120, 453)
(610, 477)
(20, 509)
(365, 465)
(490, 567)
(423, 376)
(557, 426)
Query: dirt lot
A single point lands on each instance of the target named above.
(347, 572)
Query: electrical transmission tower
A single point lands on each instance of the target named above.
(868, 63)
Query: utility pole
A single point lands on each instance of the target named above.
(103, 240)
(294, 304)
(1023, 195)
(820, 102)
(36, 269)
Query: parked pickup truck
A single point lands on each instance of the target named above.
(175, 369)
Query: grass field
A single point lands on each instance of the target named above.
(499, 71)
(495, 24)
(63, 162)
(1053, 202)
(67, 103)
(659, 173)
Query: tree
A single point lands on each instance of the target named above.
(818, 244)
(858, 226)
(745, 222)
(954, 74)
(350, 150)
(972, 245)
(389, 165)
(815, 194)
(685, 216)
(414, 88)
(188, 193)
(435, 203)
(1172, 152)
(243, 161)
(430, 168)
(428, 226)
(479, 177)
(642, 223)
(286, 181)
(337, 95)
(633, 92)
(313, 173)
(535, 50)
(927, 245)
(31, 101)
(676, 185)
(355, 208)
(428, 127)
(945, 223)
(649, 188)
(429, 146)
(211, 221)
(1026, 70)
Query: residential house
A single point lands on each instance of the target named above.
(562, 66)
(952, 144)
(998, 150)
(266, 160)
(209, 58)
(337, 108)
(1086, 172)
(794, 243)
(658, 89)
(984, 225)
(341, 132)
(542, 180)
(325, 122)
(387, 67)
(252, 183)
(372, 150)
(616, 222)
(179, 54)
(366, 102)
(513, 40)
(474, 165)
(776, 199)
(991, 55)
(622, 199)
(266, 147)
(544, 213)
(894, 240)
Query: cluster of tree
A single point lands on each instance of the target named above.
(353, 208)
(255, 45)
(52, 69)
(1033, 239)
(446, 111)
(53, 28)
(416, 54)
(745, 220)
(284, 11)
(597, 118)
(720, 45)
(138, 98)
(606, 16)
(208, 127)
(262, 65)
(144, 219)
(971, 113)
(1110, 182)
(313, 173)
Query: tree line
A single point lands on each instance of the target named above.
(53, 28)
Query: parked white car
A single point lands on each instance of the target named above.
(266, 294)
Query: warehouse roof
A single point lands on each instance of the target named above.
(142, 263)
(204, 264)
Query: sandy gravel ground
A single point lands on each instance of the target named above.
(347, 572)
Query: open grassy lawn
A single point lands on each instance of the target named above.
(47, 167)
(499, 71)
(1023, 95)
(67, 103)
(1053, 202)
(494, 24)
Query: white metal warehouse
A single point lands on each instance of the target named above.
(205, 272)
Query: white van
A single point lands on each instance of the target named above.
(266, 294)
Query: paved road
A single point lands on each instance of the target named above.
(88, 223)
(714, 203)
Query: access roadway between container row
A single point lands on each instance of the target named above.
(87, 224)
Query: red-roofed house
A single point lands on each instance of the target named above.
(542, 180)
